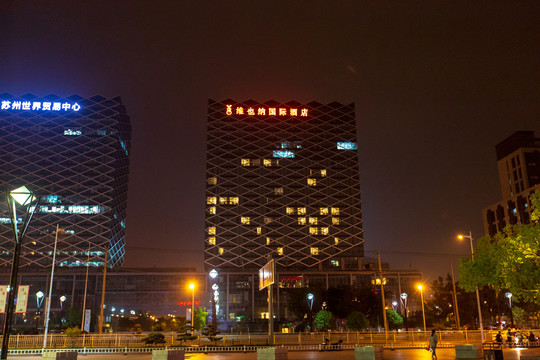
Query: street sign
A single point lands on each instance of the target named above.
(266, 275)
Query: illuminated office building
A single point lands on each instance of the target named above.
(74, 154)
(518, 162)
(282, 180)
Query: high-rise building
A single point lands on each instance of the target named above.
(518, 162)
(73, 153)
(282, 180)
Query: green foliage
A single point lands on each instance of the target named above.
(73, 332)
(324, 320)
(200, 318)
(185, 332)
(154, 339)
(510, 260)
(211, 333)
(157, 327)
(357, 321)
(394, 319)
(519, 315)
(74, 317)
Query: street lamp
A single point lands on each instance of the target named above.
(213, 275)
(192, 287)
(62, 299)
(310, 298)
(509, 297)
(394, 305)
(403, 298)
(23, 197)
(422, 299)
(461, 237)
(39, 300)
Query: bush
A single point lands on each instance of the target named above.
(154, 339)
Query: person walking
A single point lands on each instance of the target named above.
(433, 340)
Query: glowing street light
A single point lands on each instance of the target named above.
(39, 300)
(461, 237)
(420, 287)
(509, 297)
(213, 276)
(26, 198)
(192, 287)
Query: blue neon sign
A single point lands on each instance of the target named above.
(55, 106)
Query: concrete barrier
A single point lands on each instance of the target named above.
(368, 353)
(59, 355)
(271, 353)
(468, 352)
(167, 354)
(529, 354)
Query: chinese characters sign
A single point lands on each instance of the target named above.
(188, 303)
(22, 299)
(265, 111)
(266, 275)
(56, 106)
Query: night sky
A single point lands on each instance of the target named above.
(436, 85)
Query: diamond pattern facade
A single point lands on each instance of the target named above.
(282, 180)
(77, 162)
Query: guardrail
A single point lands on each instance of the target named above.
(119, 340)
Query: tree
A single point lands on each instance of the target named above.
(324, 320)
(357, 321)
(185, 332)
(73, 333)
(74, 317)
(394, 319)
(211, 333)
(154, 339)
(509, 260)
(199, 318)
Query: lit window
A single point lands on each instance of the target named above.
(267, 241)
(245, 220)
(212, 230)
(313, 231)
(312, 182)
(323, 173)
(313, 221)
(335, 221)
(314, 251)
(334, 263)
(259, 230)
(301, 211)
(324, 231)
(221, 251)
(284, 154)
(324, 211)
(212, 181)
(212, 210)
(290, 211)
(280, 251)
(335, 211)
(278, 191)
(267, 162)
(267, 220)
(223, 201)
(302, 221)
(347, 146)
(212, 240)
(211, 200)
(245, 162)
(233, 200)
(336, 241)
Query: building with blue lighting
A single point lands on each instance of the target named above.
(73, 153)
(282, 180)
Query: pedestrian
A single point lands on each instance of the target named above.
(433, 340)
(532, 338)
(498, 338)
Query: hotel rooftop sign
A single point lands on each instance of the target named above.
(265, 111)
(47, 106)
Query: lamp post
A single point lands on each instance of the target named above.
(39, 300)
(213, 275)
(310, 298)
(461, 237)
(403, 298)
(422, 299)
(62, 299)
(192, 287)
(23, 197)
(394, 305)
(509, 297)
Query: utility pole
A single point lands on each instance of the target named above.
(100, 329)
(382, 294)
(85, 288)
(455, 296)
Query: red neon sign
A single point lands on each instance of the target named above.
(188, 303)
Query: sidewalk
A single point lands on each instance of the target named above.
(443, 354)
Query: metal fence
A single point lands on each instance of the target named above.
(121, 340)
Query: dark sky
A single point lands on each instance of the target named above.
(436, 85)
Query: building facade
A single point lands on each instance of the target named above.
(282, 181)
(73, 153)
(518, 162)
